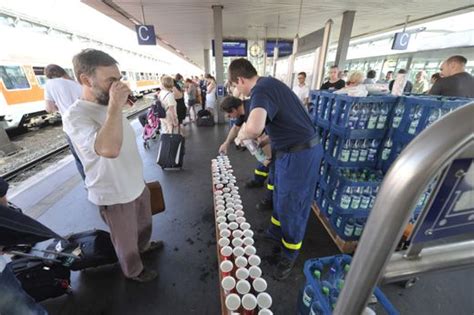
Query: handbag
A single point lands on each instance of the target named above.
(157, 201)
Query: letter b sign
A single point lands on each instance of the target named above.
(146, 34)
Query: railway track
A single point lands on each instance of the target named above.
(52, 154)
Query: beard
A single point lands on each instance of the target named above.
(102, 97)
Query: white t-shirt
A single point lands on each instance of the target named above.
(301, 91)
(108, 181)
(62, 92)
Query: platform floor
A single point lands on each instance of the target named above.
(188, 281)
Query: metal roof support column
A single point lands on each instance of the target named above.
(207, 66)
(344, 38)
(219, 58)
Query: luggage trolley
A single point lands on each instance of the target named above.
(443, 153)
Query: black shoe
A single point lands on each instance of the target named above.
(283, 268)
(253, 184)
(265, 205)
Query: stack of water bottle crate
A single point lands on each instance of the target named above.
(362, 137)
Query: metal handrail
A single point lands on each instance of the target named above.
(427, 155)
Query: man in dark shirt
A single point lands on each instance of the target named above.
(334, 83)
(203, 89)
(408, 86)
(455, 80)
(294, 139)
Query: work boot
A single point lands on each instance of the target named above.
(283, 268)
(253, 184)
(145, 276)
(264, 205)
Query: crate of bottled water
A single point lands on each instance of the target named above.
(322, 106)
(325, 278)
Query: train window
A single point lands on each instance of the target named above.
(13, 78)
(40, 77)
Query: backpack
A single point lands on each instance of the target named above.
(158, 108)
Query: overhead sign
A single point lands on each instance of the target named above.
(400, 42)
(285, 48)
(232, 48)
(146, 34)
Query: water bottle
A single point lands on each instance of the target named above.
(349, 228)
(333, 298)
(346, 151)
(364, 150)
(374, 115)
(327, 110)
(415, 116)
(365, 200)
(326, 142)
(330, 210)
(372, 199)
(333, 117)
(355, 151)
(346, 197)
(307, 299)
(382, 116)
(434, 116)
(326, 288)
(336, 188)
(353, 117)
(397, 115)
(356, 194)
(255, 150)
(358, 227)
(374, 146)
(338, 221)
(387, 149)
(316, 309)
(363, 118)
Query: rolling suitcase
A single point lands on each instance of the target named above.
(41, 279)
(93, 247)
(204, 118)
(171, 151)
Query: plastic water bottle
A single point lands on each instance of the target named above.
(372, 199)
(382, 116)
(316, 309)
(364, 150)
(363, 118)
(415, 116)
(374, 115)
(255, 150)
(353, 117)
(338, 221)
(374, 146)
(355, 151)
(358, 228)
(349, 228)
(346, 151)
(397, 115)
(306, 299)
(326, 288)
(365, 199)
(346, 197)
(434, 116)
(326, 143)
(356, 196)
(387, 149)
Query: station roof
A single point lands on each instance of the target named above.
(186, 26)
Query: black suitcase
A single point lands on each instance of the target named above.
(96, 249)
(41, 279)
(204, 118)
(171, 151)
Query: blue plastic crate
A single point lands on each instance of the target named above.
(349, 152)
(325, 290)
(348, 227)
(322, 102)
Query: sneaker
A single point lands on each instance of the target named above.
(283, 268)
(253, 184)
(152, 246)
(145, 276)
(264, 205)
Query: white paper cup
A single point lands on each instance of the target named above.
(255, 272)
(230, 205)
(221, 219)
(220, 203)
(241, 262)
(231, 217)
(245, 226)
(254, 260)
(250, 250)
(265, 311)
(237, 201)
(229, 211)
(259, 285)
(238, 251)
(264, 300)
(237, 234)
(237, 242)
(226, 195)
(217, 198)
(225, 233)
(232, 302)
(239, 213)
(223, 226)
(228, 284)
(220, 208)
(220, 213)
(249, 302)
(218, 193)
(223, 242)
(233, 226)
(248, 233)
(242, 273)
(238, 207)
(226, 267)
(240, 220)
(226, 252)
(220, 186)
(243, 287)
(226, 189)
(248, 241)
(234, 192)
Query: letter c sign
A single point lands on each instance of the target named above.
(146, 34)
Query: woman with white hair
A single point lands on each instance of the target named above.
(354, 86)
(169, 124)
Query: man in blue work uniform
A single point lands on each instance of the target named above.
(294, 139)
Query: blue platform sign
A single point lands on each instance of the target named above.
(285, 48)
(220, 90)
(146, 34)
(232, 48)
(452, 211)
(401, 40)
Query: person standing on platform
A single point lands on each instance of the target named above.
(298, 152)
(301, 89)
(334, 83)
(203, 90)
(388, 78)
(421, 85)
(454, 81)
(401, 76)
(211, 98)
(105, 142)
(60, 92)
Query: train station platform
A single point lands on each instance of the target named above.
(188, 274)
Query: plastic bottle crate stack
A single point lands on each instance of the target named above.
(362, 137)
(324, 281)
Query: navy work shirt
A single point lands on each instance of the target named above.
(243, 118)
(288, 123)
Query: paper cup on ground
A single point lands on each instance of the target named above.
(238, 207)
(237, 242)
(237, 234)
(238, 251)
(248, 233)
(241, 262)
(226, 267)
(243, 287)
(240, 220)
(233, 226)
(220, 208)
(255, 272)
(220, 213)
(254, 260)
(249, 302)
(228, 284)
(232, 302)
(221, 219)
(265, 311)
(259, 285)
(242, 273)
(226, 252)
(223, 242)
(231, 217)
(250, 250)
(222, 226)
(225, 233)
(264, 300)
(229, 211)
(239, 213)
(245, 226)
(248, 241)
